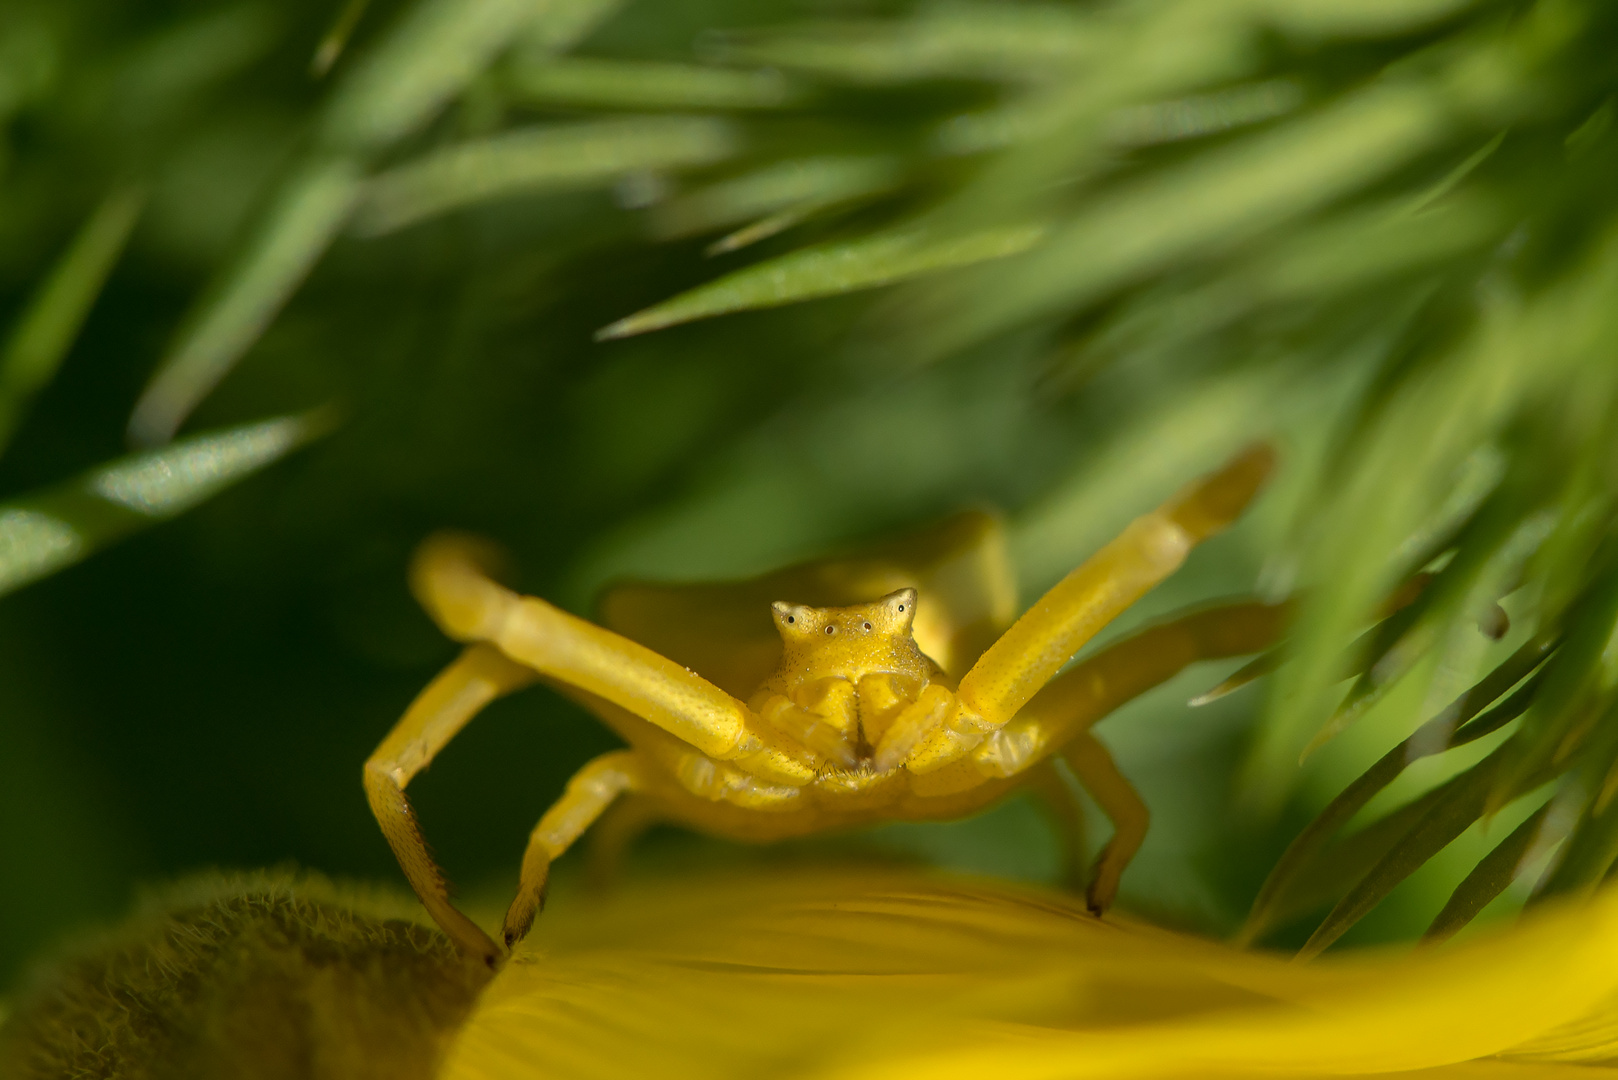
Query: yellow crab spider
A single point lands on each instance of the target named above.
(894, 685)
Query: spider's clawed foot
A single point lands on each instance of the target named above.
(529, 901)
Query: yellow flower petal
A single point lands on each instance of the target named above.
(861, 975)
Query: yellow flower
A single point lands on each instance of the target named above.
(831, 972)
(863, 974)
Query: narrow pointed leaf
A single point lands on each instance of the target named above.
(423, 62)
(552, 158)
(640, 84)
(779, 187)
(970, 41)
(1453, 727)
(829, 270)
(1247, 673)
(335, 40)
(1491, 877)
(44, 532)
(1447, 819)
(51, 321)
(311, 209)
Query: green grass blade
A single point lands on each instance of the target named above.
(783, 186)
(51, 321)
(1447, 819)
(1452, 727)
(311, 209)
(986, 41)
(46, 531)
(552, 158)
(1489, 878)
(829, 270)
(1196, 209)
(425, 60)
(335, 39)
(593, 82)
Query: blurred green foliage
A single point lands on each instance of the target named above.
(1056, 258)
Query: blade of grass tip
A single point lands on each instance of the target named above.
(762, 229)
(1489, 878)
(51, 321)
(594, 82)
(336, 38)
(43, 532)
(1360, 653)
(1454, 726)
(310, 210)
(828, 270)
(1247, 673)
(529, 161)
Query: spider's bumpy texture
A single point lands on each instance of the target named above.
(837, 693)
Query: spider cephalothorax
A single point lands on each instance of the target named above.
(904, 691)
(846, 675)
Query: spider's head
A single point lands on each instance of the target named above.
(849, 641)
(888, 617)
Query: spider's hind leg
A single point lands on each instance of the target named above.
(624, 823)
(1066, 815)
(1093, 765)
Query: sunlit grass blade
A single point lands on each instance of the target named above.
(312, 207)
(43, 532)
(1454, 726)
(533, 160)
(1192, 210)
(1490, 877)
(593, 82)
(828, 270)
(49, 324)
(783, 186)
(1203, 114)
(967, 40)
(428, 58)
(1400, 472)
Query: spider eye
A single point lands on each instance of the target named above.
(792, 618)
(901, 607)
(867, 626)
(831, 629)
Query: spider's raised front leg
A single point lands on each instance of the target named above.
(468, 605)
(1012, 670)
(516, 641)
